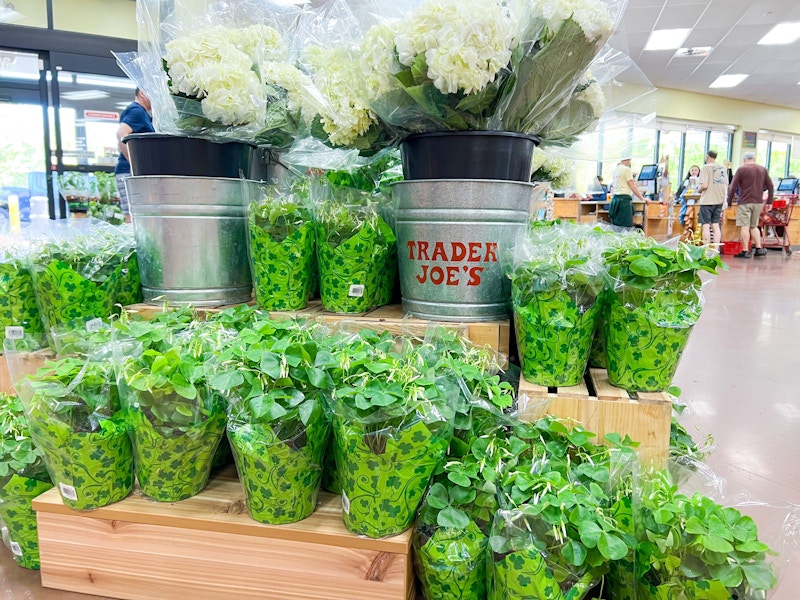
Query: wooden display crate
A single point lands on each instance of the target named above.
(29, 364)
(496, 334)
(207, 547)
(603, 408)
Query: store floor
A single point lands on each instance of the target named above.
(740, 377)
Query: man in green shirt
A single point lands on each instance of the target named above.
(621, 210)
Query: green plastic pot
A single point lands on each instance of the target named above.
(554, 336)
(91, 469)
(646, 334)
(16, 494)
(282, 270)
(451, 563)
(65, 296)
(174, 465)
(17, 300)
(385, 469)
(281, 478)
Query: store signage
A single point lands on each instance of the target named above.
(101, 115)
(445, 254)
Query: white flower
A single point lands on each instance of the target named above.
(593, 95)
(234, 98)
(260, 42)
(302, 94)
(378, 59)
(466, 43)
(337, 74)
(547, 167)
(593, 16)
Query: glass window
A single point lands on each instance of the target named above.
(115, 18)
(794, 163)
(19, 67)
(721, 142)
(31, 13)
(761, 152)
(694, 152)
(777, 159)
(670, 145)
(21, 156)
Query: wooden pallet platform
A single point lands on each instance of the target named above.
(207, 547)
(496, 334)
(603, 408)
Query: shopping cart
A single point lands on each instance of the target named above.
(774, 224)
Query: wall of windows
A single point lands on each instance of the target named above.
(779, 153)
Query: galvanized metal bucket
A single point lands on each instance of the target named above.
(450, 235)
(191, 239)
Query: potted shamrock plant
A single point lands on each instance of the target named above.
(356, 252)
(655, 303)
(18, 307)
(555, 286)
(692, 547)
(277, 426)
(176, 421)
(392, 426)
(281, 235)
(23, 477)
(73, 413)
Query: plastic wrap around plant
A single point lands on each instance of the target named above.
(277, 426)
(176, 421)
(227, 73)
(73, 412)
(18, 309)
(654, 305)
(282, 246)
(79, 272)
(556, 279)
(392, 425)
(447, 65)
(22, 478)
(356, 253)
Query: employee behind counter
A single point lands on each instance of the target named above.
(621, 209)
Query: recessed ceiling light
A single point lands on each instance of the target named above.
(728, 81)
(103, 81)
(782, 33)
(85, 95)
(696, 51)
(667, 39)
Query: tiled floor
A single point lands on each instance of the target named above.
(740, 376)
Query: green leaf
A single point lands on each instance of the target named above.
(305, 410)
(459, 479)
(728, 574)
(717, 544)
(612, 547)
(226, 380)
(574, 552)
(437, 496)
(590, 533)
(317, 377)
(270, 364)
(760, 575)
(188, 392)
(644, 267)
(453, 518)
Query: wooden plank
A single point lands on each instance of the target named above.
(87, 554)
(20, 365)
(220, 508)
(604, 389)
(6, 386)
(531, 389)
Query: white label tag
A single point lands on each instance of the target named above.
(15, 549)
(345, 503)
(15, 332)
(68, 491)
(356, 291)
(94, 325)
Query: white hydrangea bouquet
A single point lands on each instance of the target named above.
(510, 65)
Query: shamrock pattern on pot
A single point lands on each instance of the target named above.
(451, 563)
(18, 306)
(17, 514)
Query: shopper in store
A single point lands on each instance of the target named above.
(750, 181)
(621, 210)
(713, 191)
(134, 119)
(689, 186)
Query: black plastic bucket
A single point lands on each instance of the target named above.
(162, 154)
(501, 155)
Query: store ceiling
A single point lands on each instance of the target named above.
(733, 28)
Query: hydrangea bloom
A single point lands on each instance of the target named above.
(299, 87)
(338, 77)
(593, 95)
(378, 59)
(260, 42)
(557, 171)
(465, 42)
(592, 16)
(234, 98)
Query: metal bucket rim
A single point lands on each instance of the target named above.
(493, 181)
(190, 177)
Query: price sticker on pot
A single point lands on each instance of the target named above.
(345, 503)
(94, 325)
(14, 332)
(16, 550)
(356, 291)
(68, 491)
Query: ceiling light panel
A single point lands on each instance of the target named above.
(667, 39)
(728, 81)
(781, 34)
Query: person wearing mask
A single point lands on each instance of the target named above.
(713, 191)
(134, 119)
(688, 186)
(621, 210)
(750, 181)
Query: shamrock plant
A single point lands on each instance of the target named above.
(18, 454)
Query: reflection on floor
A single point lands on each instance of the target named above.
(740, 377)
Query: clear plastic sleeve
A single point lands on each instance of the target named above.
(72, 407)
(19, 313)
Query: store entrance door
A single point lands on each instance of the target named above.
(24, 145)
